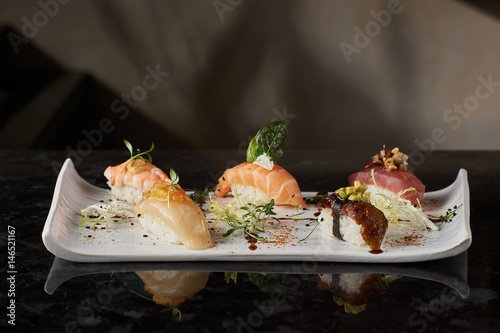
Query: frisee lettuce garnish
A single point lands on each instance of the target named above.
(270, 140)
(106, 212)
(250, 218)
(400, 213)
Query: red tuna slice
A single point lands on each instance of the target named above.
(394, 181)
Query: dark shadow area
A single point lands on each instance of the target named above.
(45, 106)
(491, 7)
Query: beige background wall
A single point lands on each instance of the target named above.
(232, 72)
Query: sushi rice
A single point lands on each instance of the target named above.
(159, 229)
(251, 194)
(127, 193)
(349, 229)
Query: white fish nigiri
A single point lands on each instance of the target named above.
(168, 212)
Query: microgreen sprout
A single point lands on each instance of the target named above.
(139, 154)
(303, 239)
(450, 213)
(174, 177)
(174, 183)
(175, 311)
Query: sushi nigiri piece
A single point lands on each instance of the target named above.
(169, 213)
(172, 288)
(353, 291)
(392, 176)
(130, 179)
(259, 184)
(357, 222)
(360, 288)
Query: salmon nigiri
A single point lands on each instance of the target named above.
(256, 183)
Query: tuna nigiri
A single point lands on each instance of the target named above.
(391, 176)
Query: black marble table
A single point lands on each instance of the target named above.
(48, 294)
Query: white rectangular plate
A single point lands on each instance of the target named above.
(128, 242)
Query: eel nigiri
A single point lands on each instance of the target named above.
(356, 222)
(256, 183)
(130, 179)
(360, 288)
(391, 176)
(168, 212)
(172, 288)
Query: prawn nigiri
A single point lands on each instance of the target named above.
(160, 204)
(130, 179)
(168, 212)
(259, 184)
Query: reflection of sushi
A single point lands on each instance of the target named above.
(360, 288)
(168, 212)
(353, 290)
(258, 184)
(391, 176)
(356, 222)
(172, 288)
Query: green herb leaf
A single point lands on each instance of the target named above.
(317, 198)
(270, 140)
(139, 154)
(230, 232)
(174, 177)
(176, 313)
(129, 147)
(200, 196)
(228, 276)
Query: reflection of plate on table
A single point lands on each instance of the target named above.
(450, 271)
(126, 242)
